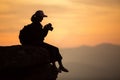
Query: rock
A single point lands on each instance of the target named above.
(26, 63)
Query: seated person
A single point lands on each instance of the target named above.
(34, 34)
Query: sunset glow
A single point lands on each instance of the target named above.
(75, 22)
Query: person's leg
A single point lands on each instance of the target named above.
(55, 56)
(61, 67)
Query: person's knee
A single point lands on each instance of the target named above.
(57, 48)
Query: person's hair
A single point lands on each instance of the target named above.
(33, 19)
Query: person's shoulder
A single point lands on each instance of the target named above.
(28, 26)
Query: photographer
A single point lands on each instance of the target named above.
(34, 34)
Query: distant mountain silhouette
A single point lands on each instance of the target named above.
(100, 62)
(25, 63)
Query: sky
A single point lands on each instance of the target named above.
(75, 22)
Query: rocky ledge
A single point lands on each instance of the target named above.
(25, 63)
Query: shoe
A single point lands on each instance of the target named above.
(63, 69)
(57, 69)
(60, 71)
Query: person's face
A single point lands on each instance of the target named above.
(40, 18)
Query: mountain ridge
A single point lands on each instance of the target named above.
(100, 62)
(98, 45)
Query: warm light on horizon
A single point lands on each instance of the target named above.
(75, 22)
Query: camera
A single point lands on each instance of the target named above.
(48, 26)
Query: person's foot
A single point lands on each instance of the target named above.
(63, 69)
(59, 70)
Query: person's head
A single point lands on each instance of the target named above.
(38, 16)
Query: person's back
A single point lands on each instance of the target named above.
(31, 34)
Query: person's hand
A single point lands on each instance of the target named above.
(48, 26)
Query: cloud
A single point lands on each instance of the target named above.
(23, 6)
(17, 14)
(98, 2)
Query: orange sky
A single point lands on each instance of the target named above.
(75, 22)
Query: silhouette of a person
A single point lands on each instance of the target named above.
(34, 34)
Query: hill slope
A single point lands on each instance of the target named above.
(101, 62)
